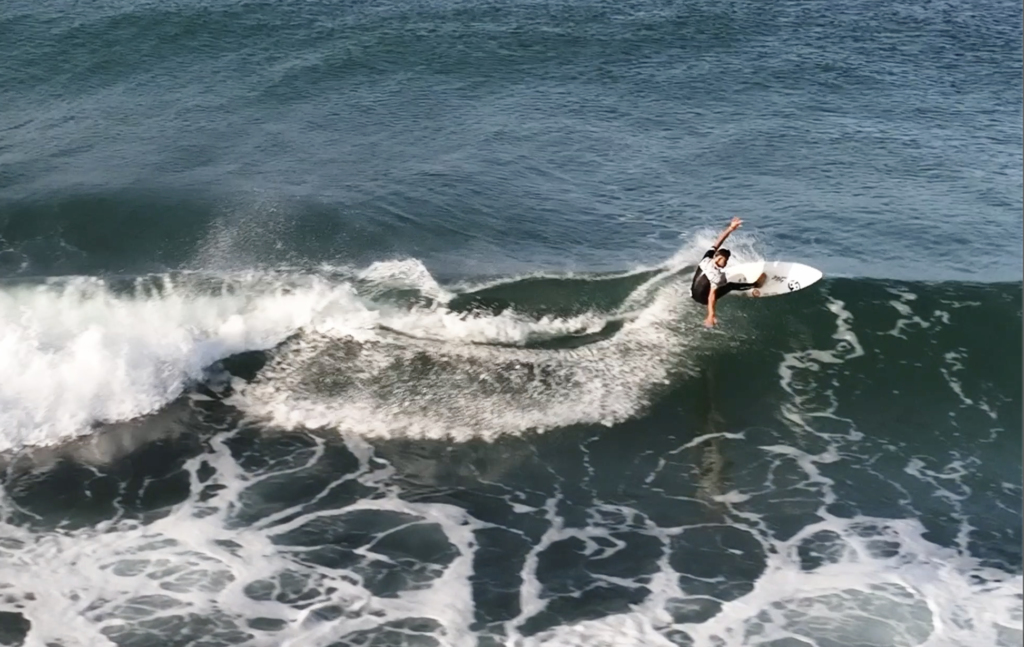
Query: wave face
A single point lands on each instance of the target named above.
(360, 454)
(86, 351)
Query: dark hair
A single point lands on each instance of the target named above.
(723, 252)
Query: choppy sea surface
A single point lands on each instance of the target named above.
(367, 324)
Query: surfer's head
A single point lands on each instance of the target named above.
(722, 257)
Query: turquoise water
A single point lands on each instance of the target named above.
(368, 324)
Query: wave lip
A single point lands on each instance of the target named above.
(78, 352)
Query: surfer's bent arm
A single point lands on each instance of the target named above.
(733, 226)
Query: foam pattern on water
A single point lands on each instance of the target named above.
(85, 351)
(446, 376)
(289, 537)
(454, 375)
(412, 385)
(328, 544)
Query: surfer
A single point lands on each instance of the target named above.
(711, 273)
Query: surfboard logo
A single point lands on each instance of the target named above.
(793, 285)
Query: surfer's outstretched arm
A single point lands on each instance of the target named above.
(733, 226)
(711, 320)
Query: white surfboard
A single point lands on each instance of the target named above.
(782, 277)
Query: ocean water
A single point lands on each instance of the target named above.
(354, 324)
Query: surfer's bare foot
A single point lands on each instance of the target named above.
(710, 321)
(760, 281)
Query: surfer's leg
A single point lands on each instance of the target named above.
(733, 286)
(737, 286)
(701, 289)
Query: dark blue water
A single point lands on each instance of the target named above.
(368, 324)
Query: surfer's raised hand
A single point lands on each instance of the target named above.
(734, 224)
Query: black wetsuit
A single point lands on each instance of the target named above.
(700, 289)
